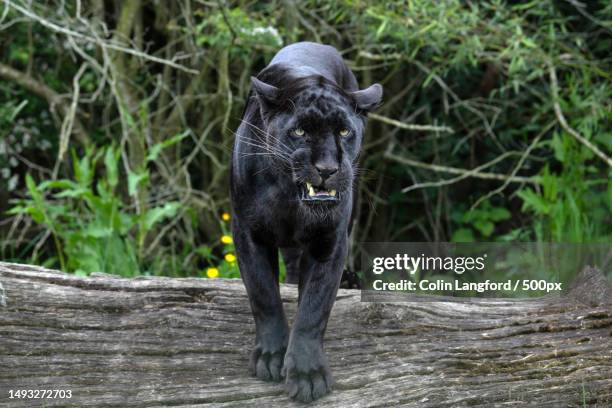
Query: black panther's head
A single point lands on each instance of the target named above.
(315, 128)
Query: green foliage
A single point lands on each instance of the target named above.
(565, 209)
(93, 228)
(479, 222)
(235, 28)
(573, 203)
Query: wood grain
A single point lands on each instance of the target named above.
(161, 342)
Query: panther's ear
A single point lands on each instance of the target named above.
(369, 98)
(266, 93)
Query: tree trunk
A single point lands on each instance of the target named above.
(153, 342)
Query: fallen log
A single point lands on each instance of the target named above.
(159, 342)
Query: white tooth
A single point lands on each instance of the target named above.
(308, 185)
(311, 191)
(332, 193)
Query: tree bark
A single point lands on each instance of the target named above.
(153, 342)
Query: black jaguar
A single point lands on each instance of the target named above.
(292, 189)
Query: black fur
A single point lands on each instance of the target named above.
(307, 86)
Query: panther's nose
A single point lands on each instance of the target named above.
(326, 168)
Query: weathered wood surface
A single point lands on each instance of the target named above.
(157, 342)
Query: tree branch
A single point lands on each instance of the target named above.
(518, 166)
(409, 126)
(453, 170)
(53, 98)
(554, 86)
(111, 46)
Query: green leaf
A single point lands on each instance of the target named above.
(605, 138)
(204, 251)
(381, 28)
(157, 148)
(529, 43)
(111, 160)
(550, 184)
(155, 215)
(463, 235)
(499, 214)
(135, 179)
(17, 110)
(73, 193)
(98, 231)
(533, 201)
(474, 215)
(32, 189)
(485, 227)
(558, 147)
(83, 167)
(18, 209)
(37, 215)
(61, 184)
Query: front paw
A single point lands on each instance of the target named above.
(266, 363)
(306, 372)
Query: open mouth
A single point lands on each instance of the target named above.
(314, 193)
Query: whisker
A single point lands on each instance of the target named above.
(266, 149)
(261, 144)
(266, 133)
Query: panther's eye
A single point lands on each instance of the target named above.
(344, 132)
(298, 132)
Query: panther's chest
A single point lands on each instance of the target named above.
(283, 224)
(272, 216)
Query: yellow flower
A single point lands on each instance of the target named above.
(226, 239)
(230, 257)
(212, 272)
(225, 216)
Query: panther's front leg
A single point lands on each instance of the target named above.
(259, 270)
(306, 370)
